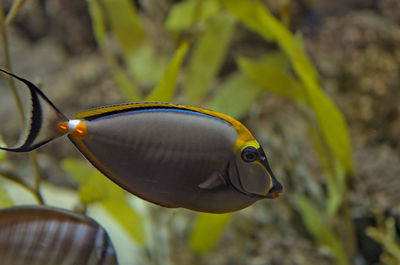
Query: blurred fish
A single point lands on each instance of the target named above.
(171, 155)
(38, 235)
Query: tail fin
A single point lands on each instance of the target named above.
(41, 121)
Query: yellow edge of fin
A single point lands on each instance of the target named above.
(244, 134)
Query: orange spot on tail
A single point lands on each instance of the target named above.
(63, 127)
(80, 130)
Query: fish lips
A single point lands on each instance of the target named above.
(276, 189)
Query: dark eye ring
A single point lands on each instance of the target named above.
(249, 154)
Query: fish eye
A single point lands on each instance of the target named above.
(249, 154)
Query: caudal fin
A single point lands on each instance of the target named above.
(40, 120)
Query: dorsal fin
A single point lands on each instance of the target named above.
(41, 121)
(120, 108)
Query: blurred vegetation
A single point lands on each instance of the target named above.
(196, 37)
(385, 234)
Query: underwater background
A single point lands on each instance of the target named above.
(316, 81)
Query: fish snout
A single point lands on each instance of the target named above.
(276, 189)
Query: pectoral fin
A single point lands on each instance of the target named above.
(216, 180)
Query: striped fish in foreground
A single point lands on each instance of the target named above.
(38, 235)
(171, 155)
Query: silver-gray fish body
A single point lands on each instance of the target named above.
(48, 236)
(154, 155)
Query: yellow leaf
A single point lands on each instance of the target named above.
(208, 55)
(99, 22)
(165, 89)
(185, 14)
(248, 12)
(93, 186)
(2, 152)
(269, 75)
(125, 24)
(206, 231)
(330, 120)
(126, 217)
(235, 96)
(313, 219)
(147, 65)
(5, 200)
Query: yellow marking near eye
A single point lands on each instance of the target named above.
(252, 143)
(256, 145)
(270, 177)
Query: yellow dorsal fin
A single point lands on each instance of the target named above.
(112, 108)
(244, 134)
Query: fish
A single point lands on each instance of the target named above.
(43, 235)
(175, 156)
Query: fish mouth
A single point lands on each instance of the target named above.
(277, 187)
(276, 190)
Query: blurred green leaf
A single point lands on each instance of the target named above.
(207, 230)
(165, 89)
(333, 126)
(254, 15)
(313, 219)
(235, 96)
(335, 177)
(331, 122)
(99, 22)
(127, 88)
(93, 186)
(126, 217)
(139, 55)
(5, 200)
(79, 169)
(96, 188)
(267, 73)
(12, 12)
(208, 56)
(386, 236)
(251, 13)
(125, 24)
(147, 66)
(335, 196)
(181, 16)
(185, 14)
(2, 152)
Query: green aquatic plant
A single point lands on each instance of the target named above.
(327, 126)
(35, 189)
(5, 200)
(385, 235)
(200, 33)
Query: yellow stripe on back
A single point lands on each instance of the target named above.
(244, 134)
